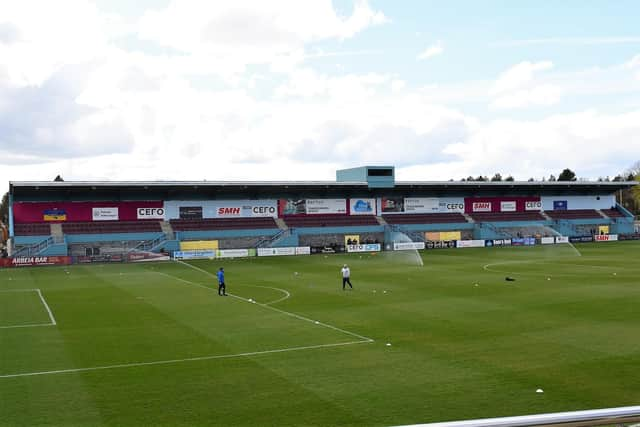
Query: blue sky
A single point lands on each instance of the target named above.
(250, 90)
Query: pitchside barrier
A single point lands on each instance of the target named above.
(622, 416)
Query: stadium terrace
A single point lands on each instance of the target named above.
(119, 221)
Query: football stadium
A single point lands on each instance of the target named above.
(500, 303)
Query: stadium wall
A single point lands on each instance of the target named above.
(39, 212)
(601, 201)
(111, 237)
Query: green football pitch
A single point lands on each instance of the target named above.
(153, 343)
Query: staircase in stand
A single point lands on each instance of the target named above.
(167, 230)
(281, 224)
(56, 233)
(381, 220)
(468, 218)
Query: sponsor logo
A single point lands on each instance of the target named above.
(508, 206)
(470, 243)
(263, 210)
(458, 207)
(30, 260)
(560, 205)
(150, 213)
(405, 246)
(235, 211)
(481, 206)
(34, 260)
(605, 237)
(362, 206)
(533, 206)
(104, 214)
(371, 247)
(444, 244)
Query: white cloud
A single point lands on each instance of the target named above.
(519, 76)
(249, 32)
(517, 87)
(433, 50)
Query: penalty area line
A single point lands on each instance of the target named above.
(176, 361)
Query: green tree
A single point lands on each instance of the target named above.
(509, 178)
(58, 178)
(496, 177)
(4, 208)
(552, 177)
(567, 175)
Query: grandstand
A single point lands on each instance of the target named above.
(366, 203)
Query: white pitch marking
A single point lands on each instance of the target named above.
(28, 325)
(53, 319)
(297, 316)
(174, 361)
(32, 325)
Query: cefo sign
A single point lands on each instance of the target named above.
(533, 205)
(246, 211)
(150, 213)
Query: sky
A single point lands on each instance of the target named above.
(294, 90)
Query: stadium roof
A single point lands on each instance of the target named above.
(17, 187)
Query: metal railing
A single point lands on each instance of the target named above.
(595, 417)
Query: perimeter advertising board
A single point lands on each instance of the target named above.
(35, 261)
(407, 246)
(369, 247)
(470, 244)
(293, 250)
(605, 237)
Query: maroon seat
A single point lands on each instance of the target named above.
(111, 227)
(574, 214)
(330, 220)
(613, 213)
(36, 229)
(507, 216)
(222, 224)
(434, 218)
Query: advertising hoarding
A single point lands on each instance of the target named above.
(194, 254)
(470, 244)
(481, 207)
(369, 247)
(312, 206)
(32, 261)
(293, 250)
(150, 213)
(211, 209)
(407, 246)
(104, 214)
(508, 206)
(362, 206)
(533, 205)
(421, 205)
(605, 237)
